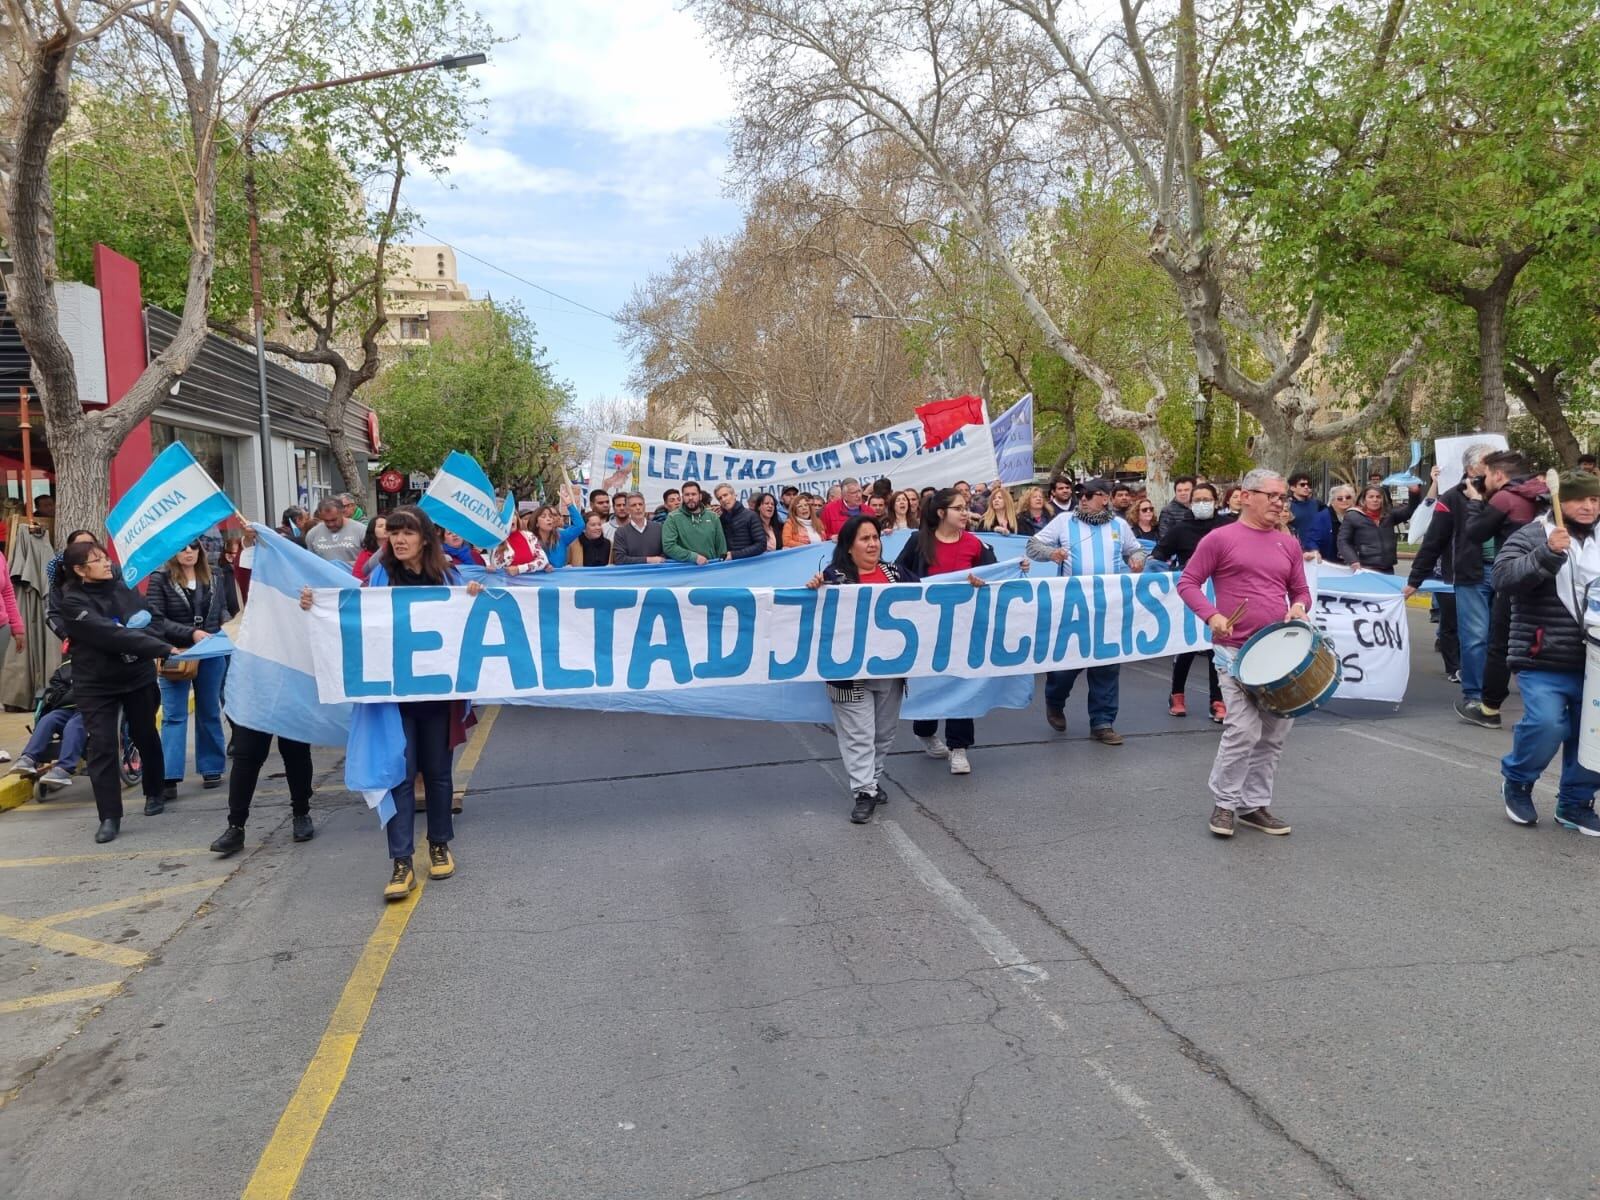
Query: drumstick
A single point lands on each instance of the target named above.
(1236, 614)
(1552, 480)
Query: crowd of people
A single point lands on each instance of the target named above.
(1518, 571)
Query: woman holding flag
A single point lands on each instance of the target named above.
(115, 642)
(415, 557)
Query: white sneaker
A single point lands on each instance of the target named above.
(959, 764)
(935, 747)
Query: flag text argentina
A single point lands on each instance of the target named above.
(172, 503)
(379, 644)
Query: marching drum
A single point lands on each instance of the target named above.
(1290, 668)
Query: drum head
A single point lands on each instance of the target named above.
(1273, 654)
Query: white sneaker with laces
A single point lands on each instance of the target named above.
(935, 747)
(959, 764)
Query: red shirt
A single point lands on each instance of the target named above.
(835, 513)
(960, 555)
(876, 575)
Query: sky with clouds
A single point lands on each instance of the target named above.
(601, 154)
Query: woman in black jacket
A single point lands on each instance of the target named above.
(1367, 537)
(1177, 548)
(186, 593)
(115, 642)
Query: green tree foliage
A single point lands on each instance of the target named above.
(485, 388)
(1408, 155)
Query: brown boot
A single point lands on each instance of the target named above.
(1262, 819)
(1106, 736)
(1222, 821)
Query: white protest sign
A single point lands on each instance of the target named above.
(1370, 634)
(1447, 453)
(651, 466)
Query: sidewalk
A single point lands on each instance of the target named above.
(14, 730)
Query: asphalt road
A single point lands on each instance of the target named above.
(669, 967)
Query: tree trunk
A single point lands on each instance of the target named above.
(1279, 446)
(1539, 389)
(1491, 309)
(1158, 454)
(351, 470)
(83, 477)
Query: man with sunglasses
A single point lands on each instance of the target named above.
(1258, 572)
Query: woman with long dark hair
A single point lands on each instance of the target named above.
(592, 548)
(765, 506)
(186, 593)
(56, 578)
(1176, 549)
(943, 545)
(415, 557)
(375, 540)
(866, 712)
(116, 641)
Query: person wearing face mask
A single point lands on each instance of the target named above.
(1367, 537)
(1545, 571)
(1178, 548)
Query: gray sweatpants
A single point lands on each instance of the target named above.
(1247, 757)
(865, 718)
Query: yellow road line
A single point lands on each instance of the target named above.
(37, 933)
(60, 860)
(98, 991)
(278, 1170)
(166, 893)
(474, 750)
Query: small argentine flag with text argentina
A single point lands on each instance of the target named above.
(461, 499)
(173, 503)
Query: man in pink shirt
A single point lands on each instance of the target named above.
(849, 504)
(1252, 566)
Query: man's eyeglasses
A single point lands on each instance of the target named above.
(1272, 497)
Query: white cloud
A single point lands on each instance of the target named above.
(631, 69)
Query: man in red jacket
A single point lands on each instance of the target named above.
(849, 504)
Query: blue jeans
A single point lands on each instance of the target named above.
(1105, 685)
(426, 724)
(210, 742)
(69, 725)
(1552, 705)
(1473, 602)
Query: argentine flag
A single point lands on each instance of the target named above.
(461, 499)
(173, 503)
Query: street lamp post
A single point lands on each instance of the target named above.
(451, 62)
(1198, 406)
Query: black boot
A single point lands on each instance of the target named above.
(154, 806)
(108, 829)
(231, 841)
(304, 830)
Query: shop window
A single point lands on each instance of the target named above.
(216, 452)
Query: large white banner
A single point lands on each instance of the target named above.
(380, 644)
(651, 466)
(1371, 636)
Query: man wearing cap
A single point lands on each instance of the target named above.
(1546, 570)
(1090, 540)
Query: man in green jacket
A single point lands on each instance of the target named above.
(692, 534)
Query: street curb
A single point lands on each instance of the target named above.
(14, 792)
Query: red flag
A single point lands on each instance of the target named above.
(941, 418)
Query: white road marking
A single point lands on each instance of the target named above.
(1484, 768)
(999, 947)
(1006, 953)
